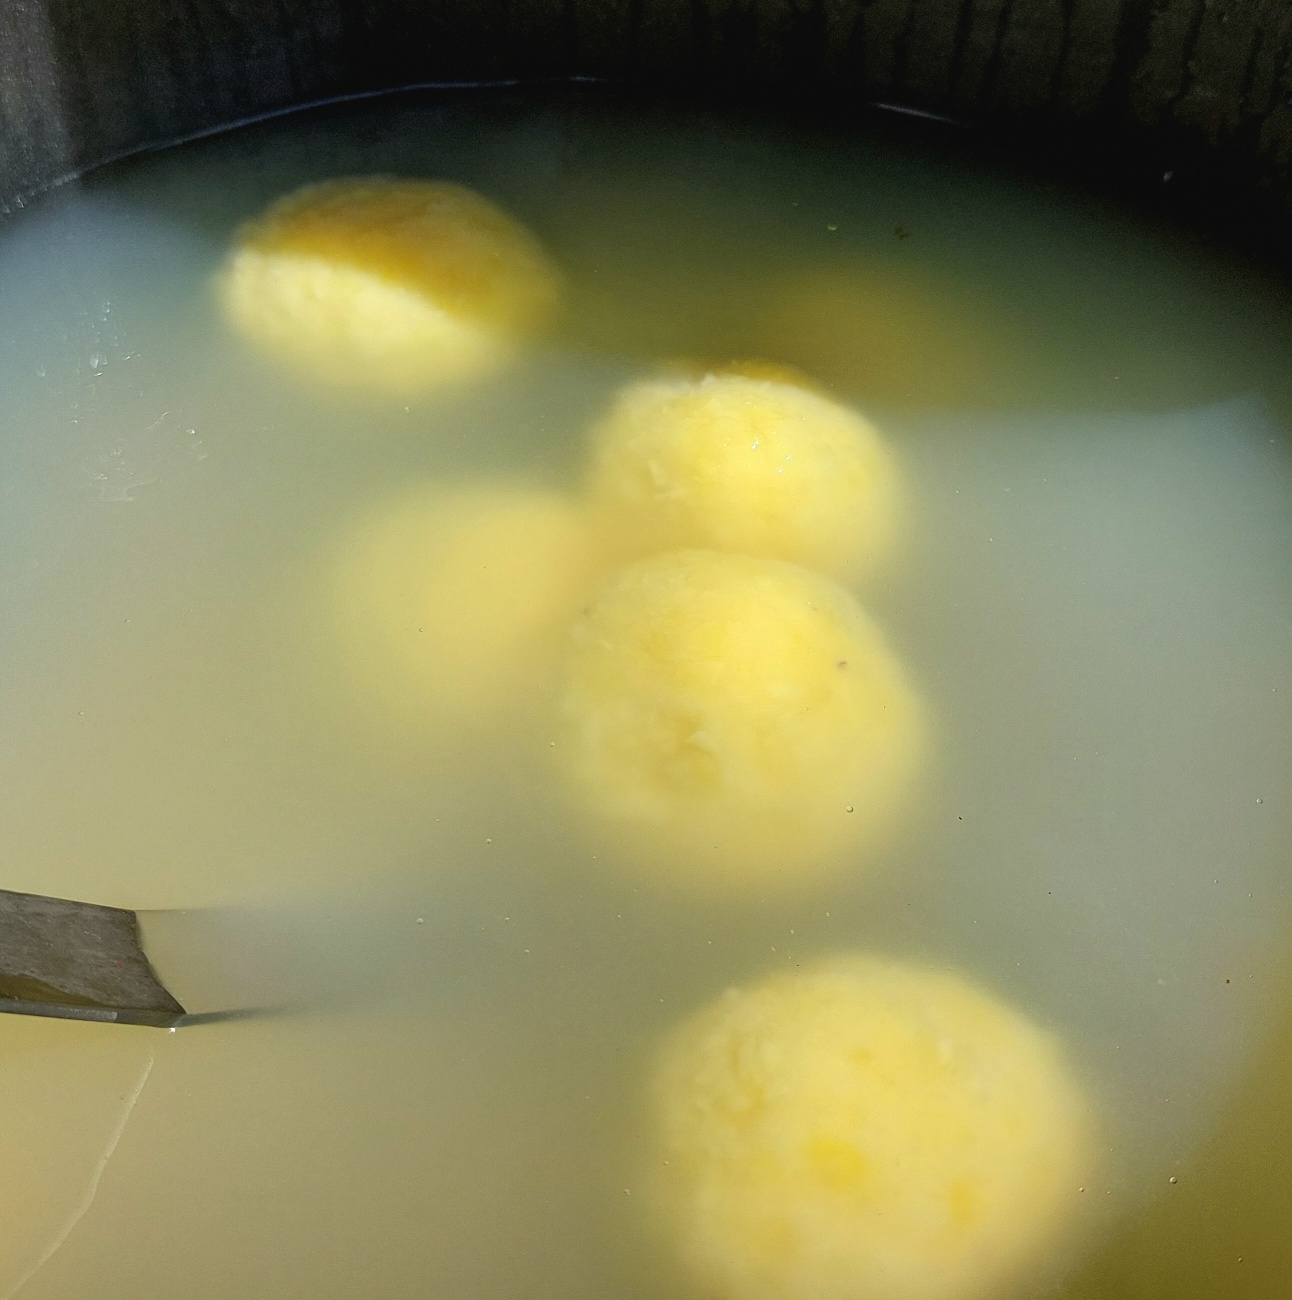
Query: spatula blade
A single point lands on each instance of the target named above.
(78, 961)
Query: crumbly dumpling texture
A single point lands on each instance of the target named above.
(745, 459)
(865, 1130)
(387, 284)
(735, 722)
(450, 601)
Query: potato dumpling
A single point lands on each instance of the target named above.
(746, 458)
(450, 600)
(865, 1130)
(735, 722)
(386, 284)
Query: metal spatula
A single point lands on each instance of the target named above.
(80, 961)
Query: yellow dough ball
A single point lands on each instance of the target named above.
(385, 284)
(865, 1130)
(749, 459)
(450, 601)
(735, 722)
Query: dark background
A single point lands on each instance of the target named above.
(1187, 104)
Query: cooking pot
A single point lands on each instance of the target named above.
(1185, 105)
(1180, 100)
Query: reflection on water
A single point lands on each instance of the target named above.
(470, 990)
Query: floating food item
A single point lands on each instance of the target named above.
(387, 284)
(735, 722)
(865, 1130)
(749, 458)
(450, 600)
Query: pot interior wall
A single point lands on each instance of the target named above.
(1203, 86)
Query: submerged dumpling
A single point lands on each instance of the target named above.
(898, 335)
(449, 601)
(735, 722)
(748, 459)
(865, 1130)
(387, 284)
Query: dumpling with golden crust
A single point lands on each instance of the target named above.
(735, 723)
(387, 284)
(748, 458)
(865, 1130)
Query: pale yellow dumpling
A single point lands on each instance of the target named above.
(745, 459)
(450, 601)
(865, 1130)
(386, 284)
(734, 722)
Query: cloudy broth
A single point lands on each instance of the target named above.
(1094, 597)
